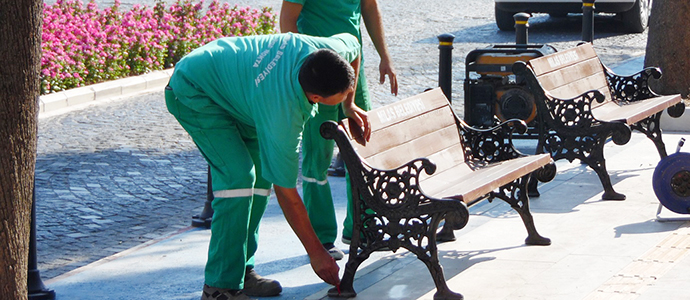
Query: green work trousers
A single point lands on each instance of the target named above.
(317, 153)
(241, 194)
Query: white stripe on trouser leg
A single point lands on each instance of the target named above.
(241, 193)
(262, 192)
(233, 193)
(314, 180)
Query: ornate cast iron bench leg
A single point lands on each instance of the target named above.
(347, 289)
(515, 194)
(416, 234)
(589, 149)
(429, 256)
(599, 166)
(652, 129)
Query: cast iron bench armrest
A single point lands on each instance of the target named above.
(396, 194)
(633, 87)
(390, 190)
(495, 144)
(491, 144)
(574, 112)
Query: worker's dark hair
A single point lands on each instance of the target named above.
(325, 73)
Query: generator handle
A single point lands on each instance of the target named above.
(680, 144)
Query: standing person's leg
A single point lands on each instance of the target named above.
(363, 101)
(317, 153)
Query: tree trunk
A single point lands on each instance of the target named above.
(20, 53)
(668, 46)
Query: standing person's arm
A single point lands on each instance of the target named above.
(372, 20)
(296, 214)
(289, 12)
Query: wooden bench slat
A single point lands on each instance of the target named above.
(562, 59)
(406, 109)
(573, 89)
(393, 135)
(419, 147)
(635, 111)
(447, 159)
(578, 71)
(458, 184)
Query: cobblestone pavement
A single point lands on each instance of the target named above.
(114, 175)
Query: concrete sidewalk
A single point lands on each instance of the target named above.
(600, 250)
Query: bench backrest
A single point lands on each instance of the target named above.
(420, 126)
(569, 73)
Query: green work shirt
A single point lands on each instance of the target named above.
(329, 17)
(255, 80)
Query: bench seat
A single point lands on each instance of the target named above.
(634, 112)
(468, 185)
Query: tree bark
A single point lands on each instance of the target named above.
(20, 53)
(668, 46)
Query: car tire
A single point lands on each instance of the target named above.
(504, 20)
(637, 18)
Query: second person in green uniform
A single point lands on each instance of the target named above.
(326, 18)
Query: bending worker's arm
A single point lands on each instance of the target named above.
(293, 208)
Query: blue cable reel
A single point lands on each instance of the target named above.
(671, 183)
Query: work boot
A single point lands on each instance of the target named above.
(257, 286)
(212, 293)
(336, 253)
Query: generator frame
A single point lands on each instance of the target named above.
(489, 79)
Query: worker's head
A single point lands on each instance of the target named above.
(326, 77)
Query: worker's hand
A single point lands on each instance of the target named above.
(325, 267)
(361, 118)
(386, 68)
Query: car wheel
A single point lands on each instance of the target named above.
(504, 20)
(637, 18)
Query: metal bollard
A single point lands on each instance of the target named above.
(445, 65)
(521, 27)
(588, 20)
(204, 219)
(36, 289)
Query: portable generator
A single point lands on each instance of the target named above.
(491, 88)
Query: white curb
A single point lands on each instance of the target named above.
(57, 102)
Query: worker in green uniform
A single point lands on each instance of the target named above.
(244, 102)
(326, 18)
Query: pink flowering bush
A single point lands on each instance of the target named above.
(86, 45)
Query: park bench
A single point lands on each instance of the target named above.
(423, 165)
(581, 104)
